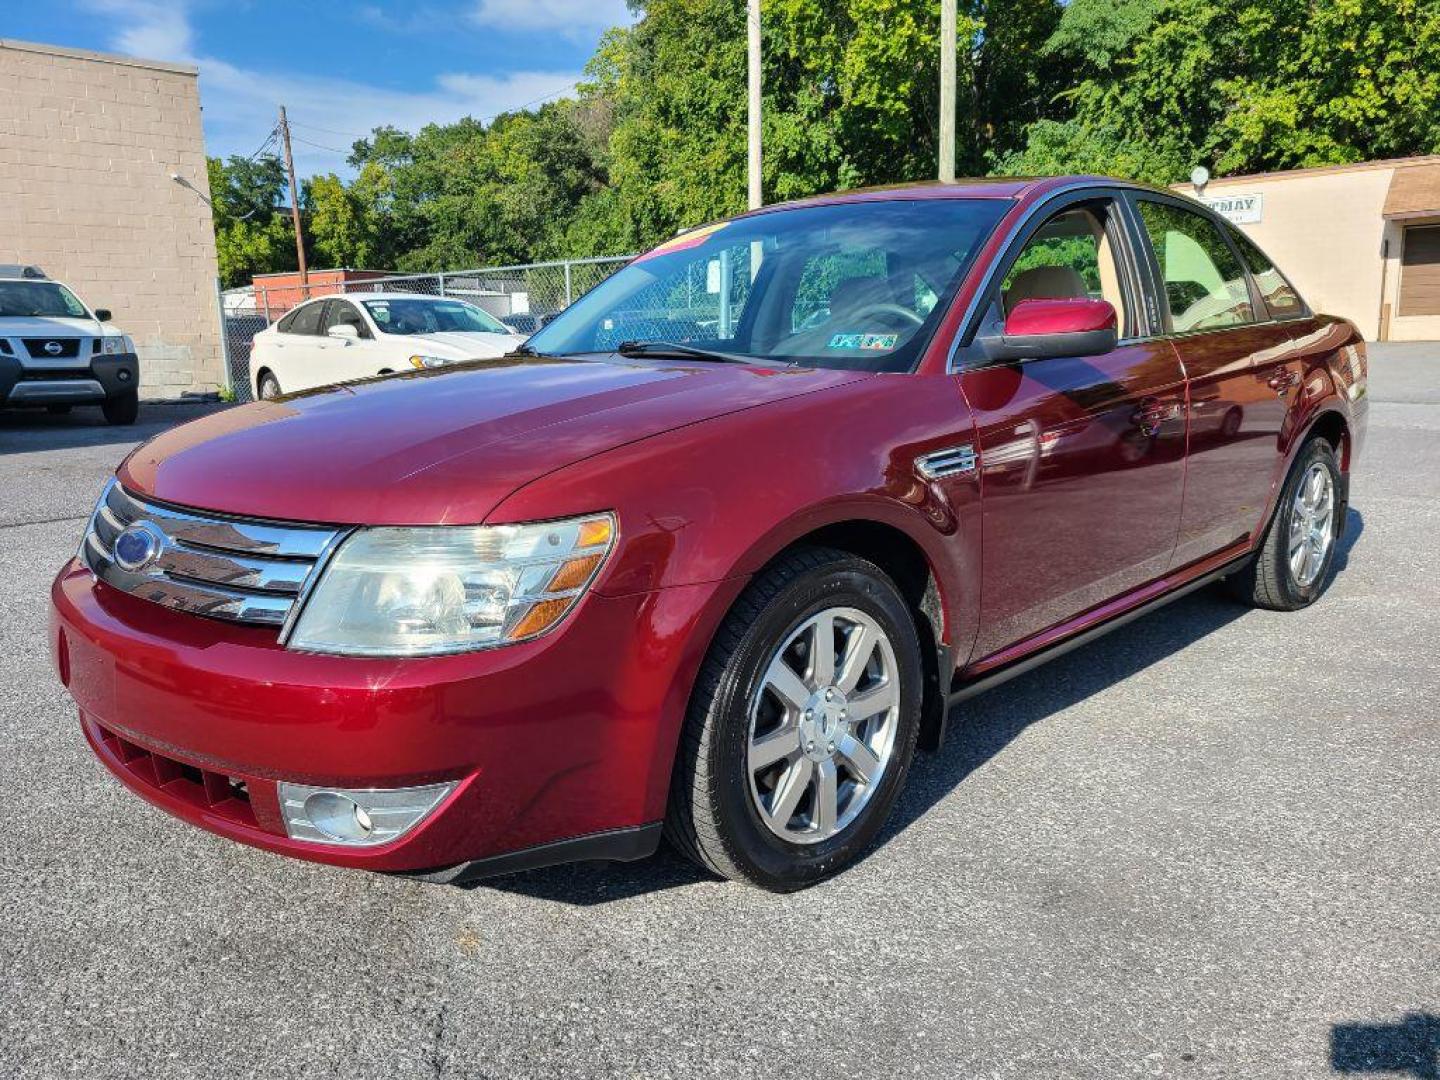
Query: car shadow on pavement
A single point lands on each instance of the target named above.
(28, 430)
(1410, 1048)
(978, 730)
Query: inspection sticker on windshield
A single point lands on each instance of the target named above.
(862, 341)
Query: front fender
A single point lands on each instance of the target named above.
(718, 499)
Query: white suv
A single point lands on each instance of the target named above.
(339, 338)
(55, 352)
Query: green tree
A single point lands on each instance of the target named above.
(1162, 85)
(251, 237)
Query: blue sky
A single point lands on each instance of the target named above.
(341, 68)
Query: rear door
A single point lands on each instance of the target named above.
(296, 358)
(1081, 457)
(1243, 372)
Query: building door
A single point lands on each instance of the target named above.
(1420, 271)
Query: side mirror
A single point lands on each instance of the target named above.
(343, 332)
(1043, 329)
(102, 314)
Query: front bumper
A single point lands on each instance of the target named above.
(104, 377)
(568, 736)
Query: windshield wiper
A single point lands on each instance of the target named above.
(527, 350)
(675, 350)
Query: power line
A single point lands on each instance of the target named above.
(328, 131)
(316, 145)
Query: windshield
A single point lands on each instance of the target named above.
(424, 316)
(39, 299)
(850, 285)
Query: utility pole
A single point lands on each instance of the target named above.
(752, 27)
(294, 207)
(947, 91)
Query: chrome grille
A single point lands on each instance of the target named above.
(237, 569)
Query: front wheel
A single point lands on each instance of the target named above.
(1293, 566)
(801, 726)
(269, 387)
(121, 408)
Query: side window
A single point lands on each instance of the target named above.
(304, 320)
(1281, 298)
(287, 322)
(1204, 283)
(1069, 257)
(342, 313)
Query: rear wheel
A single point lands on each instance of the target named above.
(801, 726)
(1293, 566)
(269, 386)
(121, 408)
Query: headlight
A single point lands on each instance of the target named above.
(113, 346)
(451, 588)
(430, 361)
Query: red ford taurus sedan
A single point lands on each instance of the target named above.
(711, 557)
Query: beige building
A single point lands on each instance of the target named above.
(88, 146)
(1361, 241)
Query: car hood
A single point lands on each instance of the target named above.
(440, 446)
(49, 327)
(461, 345)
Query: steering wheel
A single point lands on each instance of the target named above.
(885, 308)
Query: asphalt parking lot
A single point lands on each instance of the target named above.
(1207, 845)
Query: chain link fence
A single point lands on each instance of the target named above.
(522, 297)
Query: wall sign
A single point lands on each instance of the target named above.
(1241, 209)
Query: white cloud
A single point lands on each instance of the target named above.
(326, 115)
(152, 29)
(240, 107)
(566, 16)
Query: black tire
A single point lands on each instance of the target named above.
(1230, 424)
(122, 408)
(58, 410)
(268, 386)
(1268, 581)
(712, 816)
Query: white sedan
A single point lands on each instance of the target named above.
(339, 338)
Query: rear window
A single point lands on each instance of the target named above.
(303, 320)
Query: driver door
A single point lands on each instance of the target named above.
(1081, 458)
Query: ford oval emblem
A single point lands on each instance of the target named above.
(138, 546)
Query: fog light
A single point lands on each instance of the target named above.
(123, 375)
(362, 817)
(338, 816)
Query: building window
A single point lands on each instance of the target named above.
(1420, 271)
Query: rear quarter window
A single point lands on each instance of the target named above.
(1281, 298)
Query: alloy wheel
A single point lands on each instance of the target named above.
(822, 725)
(1312, 525)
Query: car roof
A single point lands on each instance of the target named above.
(1011, 188)
(384, 296)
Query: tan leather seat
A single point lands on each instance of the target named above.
(1045, 283)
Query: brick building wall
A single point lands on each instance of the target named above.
(88, 143)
